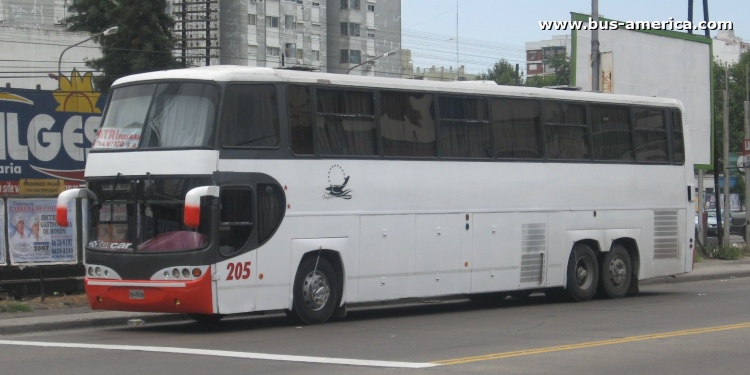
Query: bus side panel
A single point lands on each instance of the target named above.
(387, 257)
(235, 283)
(496, 260)
(438, 264)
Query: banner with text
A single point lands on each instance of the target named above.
(33, 235)
(46, 136)
(3, 260)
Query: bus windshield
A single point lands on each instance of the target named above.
(159, 115)
(145, 215)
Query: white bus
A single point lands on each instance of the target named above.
(223, 190)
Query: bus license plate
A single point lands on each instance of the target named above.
(136, 294)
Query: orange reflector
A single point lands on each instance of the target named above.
(466, 264)
(260, 276)
(196, 272)
(177, 302)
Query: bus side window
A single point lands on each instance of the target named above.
(301, 119)
(677, 138)
(465, 128)
(250, 117)
(407, 124)
(271, 208)
(235, 219)
(612, 135)
(346, 123)
(651, 140)
(566, 130)
(518, 128)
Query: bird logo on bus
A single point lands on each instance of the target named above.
(337, 180)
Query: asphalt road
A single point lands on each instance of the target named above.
(688, 328)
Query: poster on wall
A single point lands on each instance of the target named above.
(3, 261)
(34, 236)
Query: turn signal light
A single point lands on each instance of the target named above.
(196, 272)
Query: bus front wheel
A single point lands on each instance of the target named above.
(316, 291)
(583, 273)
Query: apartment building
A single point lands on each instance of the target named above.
(363, 30)
(538, 52)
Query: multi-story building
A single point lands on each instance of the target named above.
(362, 30)
(433, 73)
(538, 52)
(729, 48)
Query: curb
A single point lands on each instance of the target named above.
(34, 327)
(691, 278)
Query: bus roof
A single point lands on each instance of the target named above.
(232, 73)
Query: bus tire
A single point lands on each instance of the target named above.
(583, 273)
(616, 272)
(316, 291)
(206, 318)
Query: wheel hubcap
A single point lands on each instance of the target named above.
(583, 273)
(316, 290)
(617, 271)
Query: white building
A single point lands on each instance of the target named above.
(361, 30)
(538, 52)
(728, 48)
(32, 38)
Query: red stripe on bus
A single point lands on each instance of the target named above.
(196, 297)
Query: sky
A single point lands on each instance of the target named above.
(489, 30)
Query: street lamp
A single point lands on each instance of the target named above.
(110, 31)
(391, 53)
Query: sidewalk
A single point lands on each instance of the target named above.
(83, 317)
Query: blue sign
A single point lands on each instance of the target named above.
(47, 134)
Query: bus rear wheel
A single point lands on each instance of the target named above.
(583, 273)
(616, 272)
(316, 291)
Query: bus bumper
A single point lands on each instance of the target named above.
(194, 296)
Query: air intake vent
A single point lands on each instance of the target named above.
(666, 235)
(533, 250)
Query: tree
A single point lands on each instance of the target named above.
(143, 42)
(503, 73)
(737, 96)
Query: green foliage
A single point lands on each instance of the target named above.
(727, 252)
(503, 73)
(697, 256)
(12, 306)
(737, 96)
(143, 42)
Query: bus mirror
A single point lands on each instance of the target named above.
(64, 199)
(193, 204)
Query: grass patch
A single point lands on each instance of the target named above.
(728, 252)
(13, 306)
(697, 256)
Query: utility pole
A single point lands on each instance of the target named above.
(690, 14)
(725, 201)
(595, 70)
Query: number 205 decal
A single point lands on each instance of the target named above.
(238, 271)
